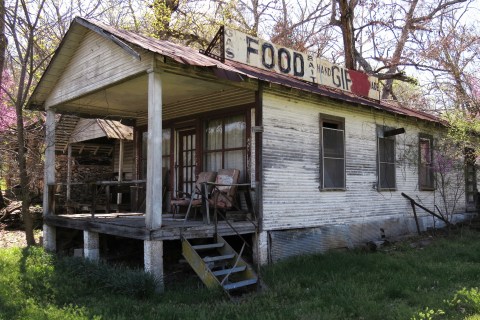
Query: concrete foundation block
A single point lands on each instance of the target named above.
(91, 245)
(49, 238)
(153, 261)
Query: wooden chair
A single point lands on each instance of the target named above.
(193, 200)
(223, 194)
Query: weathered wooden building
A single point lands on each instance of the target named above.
(326, 167)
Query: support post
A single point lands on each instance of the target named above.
(49, 232)
(91, 247)
(153, 261)
(153, 210)
(120, 171)
(69, 172)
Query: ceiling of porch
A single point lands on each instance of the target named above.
(129, 99)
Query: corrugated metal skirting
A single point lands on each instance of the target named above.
(289, 243)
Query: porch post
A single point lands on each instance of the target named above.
(153, 210)
(69, 172)
(49, 232)
(153, 261)
(121, 153)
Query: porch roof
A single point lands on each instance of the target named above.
(133, 43)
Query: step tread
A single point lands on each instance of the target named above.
(239, 284)
(227, 271)
(208, 246)
(219, 258)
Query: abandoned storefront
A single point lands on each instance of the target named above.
(320, 161)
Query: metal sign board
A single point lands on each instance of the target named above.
(262, 54)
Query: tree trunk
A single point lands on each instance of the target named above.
(346, 24)
(3, 40)
(27, 218)
(387, 88)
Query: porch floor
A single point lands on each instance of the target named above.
(132, 225)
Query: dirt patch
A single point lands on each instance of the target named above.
(15, 238)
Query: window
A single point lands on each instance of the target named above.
(332, 140)
(386, 161)
(425, 170)
(226, 144)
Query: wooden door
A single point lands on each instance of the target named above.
(186, 156)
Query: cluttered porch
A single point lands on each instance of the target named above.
(216, 208)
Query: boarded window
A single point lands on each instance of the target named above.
(332, 167)
(425, 169)
(226, 144)
(386, 163)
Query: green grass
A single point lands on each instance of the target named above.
(437, 282)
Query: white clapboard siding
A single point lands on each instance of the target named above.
(96, 64)
(291, 195)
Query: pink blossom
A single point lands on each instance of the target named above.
(8, 117)
(441, 163)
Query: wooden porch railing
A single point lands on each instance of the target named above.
(96, 188)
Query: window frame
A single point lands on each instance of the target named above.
(223, 150)
(380, 131)
(422, 186)
(340, 121)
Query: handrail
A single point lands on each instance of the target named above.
(414, 203)
(217, 213)
(92, 184)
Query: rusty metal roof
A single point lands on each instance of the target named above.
(234, 71)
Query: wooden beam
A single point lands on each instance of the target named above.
(153, 210)
(69, 172)
(121, 154)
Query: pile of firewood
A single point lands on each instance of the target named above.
(11, 213)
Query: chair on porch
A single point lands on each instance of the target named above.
(223, 195)
(193, 200)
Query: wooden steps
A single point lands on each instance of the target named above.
(219, 265)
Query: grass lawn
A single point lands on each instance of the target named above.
(439, 281)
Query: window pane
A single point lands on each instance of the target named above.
(166, 148)
(425, 152)
(213, 161)
(426, 176)
(387, 175)
(236, 160)
(214, 135)
(333, 143)
(235, 132)
(386, 149)
(333, 173)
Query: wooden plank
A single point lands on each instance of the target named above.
(134, 227)
(99, 226)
